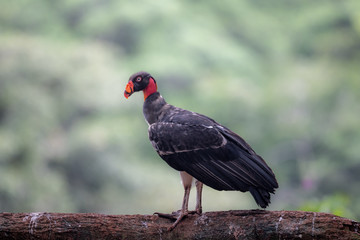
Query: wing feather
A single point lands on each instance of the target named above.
(214, 155)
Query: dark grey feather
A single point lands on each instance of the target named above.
(208, 151)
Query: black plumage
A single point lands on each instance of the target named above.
(198, 145)
(210, 152)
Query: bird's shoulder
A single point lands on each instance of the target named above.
(181, 130)
(185, 117)
(192, 121)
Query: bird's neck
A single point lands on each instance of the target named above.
(154, 107)
(150, 88)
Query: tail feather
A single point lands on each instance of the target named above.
(261, 196)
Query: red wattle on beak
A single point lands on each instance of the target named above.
(129, 89)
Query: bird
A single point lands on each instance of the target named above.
(202, 150)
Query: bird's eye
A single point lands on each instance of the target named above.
(138, 79)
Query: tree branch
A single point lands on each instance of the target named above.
(248, 224)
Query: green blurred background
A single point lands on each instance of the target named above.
(285, 75)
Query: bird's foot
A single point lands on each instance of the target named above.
(177, 216)
(198, 210)
(180, 217)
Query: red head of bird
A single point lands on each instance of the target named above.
(140, 81)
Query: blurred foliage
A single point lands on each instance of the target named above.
(338, 204)
(282, 74)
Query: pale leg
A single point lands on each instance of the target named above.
(199, 187)
(186, 180)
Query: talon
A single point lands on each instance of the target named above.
(181, 216)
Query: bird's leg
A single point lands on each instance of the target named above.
(199, 187)
(198, 208)
(183, 212)
(186, 180)
(184, 209)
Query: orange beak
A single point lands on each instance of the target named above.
(129, 89)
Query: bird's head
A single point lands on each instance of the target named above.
(141, 81)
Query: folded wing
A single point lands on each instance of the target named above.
(215, 156)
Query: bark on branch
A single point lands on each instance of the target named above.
(248, 224)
